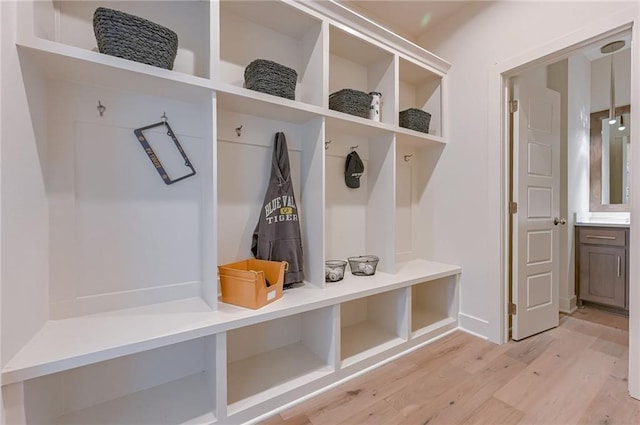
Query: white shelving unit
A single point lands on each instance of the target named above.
(271, 358)
(433, 305)
(252, 30)
(110, 307)
(148, 387)
(372, 325)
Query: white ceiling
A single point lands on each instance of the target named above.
(593, 52)
(410, 19)
(413, 18)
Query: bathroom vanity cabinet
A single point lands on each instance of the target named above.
(602, 265)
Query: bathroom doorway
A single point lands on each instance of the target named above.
(574, 195)
(565, 171)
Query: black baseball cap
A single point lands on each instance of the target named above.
(353, 169)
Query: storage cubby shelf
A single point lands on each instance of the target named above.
(66, 344)
(358, 126)
(424, 321)
(79, 341)
(270, 374)
(241, 100)
(186, 400)
(62, 62)
(418, 139)
(364, 339)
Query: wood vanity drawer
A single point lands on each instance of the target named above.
(601, 236)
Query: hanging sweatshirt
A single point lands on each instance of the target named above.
(277, 234)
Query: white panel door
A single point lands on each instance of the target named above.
(536, 186)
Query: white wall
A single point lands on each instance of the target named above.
(600, 74)
(557, 78)
(23, 221)
(475, 40)
(578, 115)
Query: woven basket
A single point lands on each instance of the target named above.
(134, 38)
(272, 78)
(351, 101)
(364, 265)
(415, 119)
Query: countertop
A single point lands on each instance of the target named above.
(620, 224)
(603, 219)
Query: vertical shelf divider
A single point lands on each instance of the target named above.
(404, 308)
(210, 209)
(335, 361)
(386, 75)
(392, 105)
(380, 227)
(444, 107)
(214, 37)
(218, 382)
(325, 64)
(314, 43)
(313, 189)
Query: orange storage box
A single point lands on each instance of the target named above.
(252, 283)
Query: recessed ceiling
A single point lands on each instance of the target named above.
(410, 19)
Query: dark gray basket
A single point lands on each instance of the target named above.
(351, 101)
(272, 78)
(134, 38)
(364, 265)
(415, 119)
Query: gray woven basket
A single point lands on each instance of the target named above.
(415, 119)
(134, 38)
(351, 101)
(272, 78)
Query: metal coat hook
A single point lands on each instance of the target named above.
(239, 131)
(101, 108)
(407, 157)
(326, 145)
(353, 148)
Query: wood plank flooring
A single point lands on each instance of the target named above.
(573, 374)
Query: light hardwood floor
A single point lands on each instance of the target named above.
(573, 374)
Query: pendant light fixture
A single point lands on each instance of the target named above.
(605, 50)
(621, 127)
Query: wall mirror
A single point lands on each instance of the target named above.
(610, 157)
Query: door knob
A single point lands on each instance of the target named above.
(558, 220)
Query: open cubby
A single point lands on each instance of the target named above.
(358, 212)
(421, 88)
(274, 31)
(371, 325)
(433, 305)
(415, 163)
(243, 171)
(108, 204)
(71, 23)
(145, 388)
(278, 356)
(356, 63)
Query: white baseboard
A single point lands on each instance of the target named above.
(568, 305)
(473, 325)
